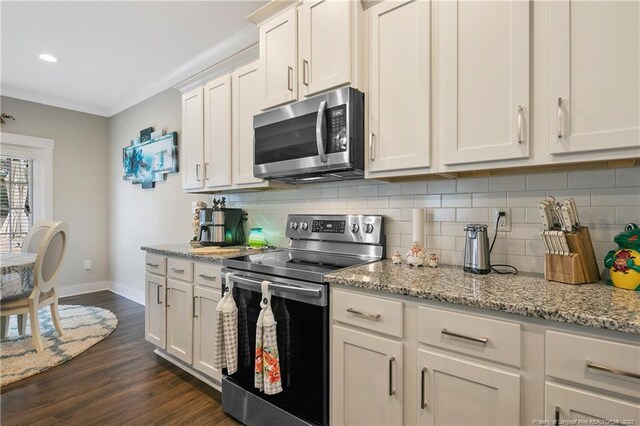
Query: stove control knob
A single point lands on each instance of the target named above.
(293, 225)
(304, 226)
(355, 228)
(368, 228)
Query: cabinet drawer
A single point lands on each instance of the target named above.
(180, 269)
(156, 264)
(568, 355)
(373, 313)
(207, 274)
(486, 338)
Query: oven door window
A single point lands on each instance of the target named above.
(303, 348)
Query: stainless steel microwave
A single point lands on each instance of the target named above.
(318, 139)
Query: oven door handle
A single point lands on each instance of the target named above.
(255, 286)
(321, 131)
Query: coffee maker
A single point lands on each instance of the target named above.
(221, 227)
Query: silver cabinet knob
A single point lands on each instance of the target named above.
(355, 228)
(304, 226)
(368, 228)
(293, 225)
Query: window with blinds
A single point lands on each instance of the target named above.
(16, 199)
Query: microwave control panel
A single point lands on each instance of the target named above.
(337, 129)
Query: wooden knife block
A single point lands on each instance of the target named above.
(580, 267)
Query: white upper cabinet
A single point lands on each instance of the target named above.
(192, 139)
(217, 132)
(594, 69)
(278, 58)
(246, 83)
(482, 80)
(325, 35)
(398, 64)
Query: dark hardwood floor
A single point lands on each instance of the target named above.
(117, 381)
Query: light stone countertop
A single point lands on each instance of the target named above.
(184, 250)
(593, 305)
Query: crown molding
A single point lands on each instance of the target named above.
(271, 9)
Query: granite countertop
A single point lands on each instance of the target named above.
(592, 305)
(184, 250)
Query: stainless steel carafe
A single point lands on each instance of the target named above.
(212, 227)
(476, 249)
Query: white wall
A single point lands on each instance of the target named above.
(143, 216)
(80, 184)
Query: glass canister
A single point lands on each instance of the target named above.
(257, 239)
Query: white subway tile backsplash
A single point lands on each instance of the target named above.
(490, 199)
(582, 197)
(401, 201)
(441, 215)
(526, 231)
(526, 263)
(532, 215)
(592, 179)
(625, 196)
(507, 183)
(410, 188)
(432, 228)
(426, 201)
(509, 246)
(456, 200)
(599, 215)
(452, 228)
(534, 248)
(451, 257)
(472, 215)
(395, 214)
(473, 185)
(357, 202)
(329, 192)
(367, 190)
(627, 214)
(628, 177)
(386, 189)
(519, 215)
(442, 242)
(347, 192)
(547, 181)
(524, 198)
(378, 202)
(442, 186)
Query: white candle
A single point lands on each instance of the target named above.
(418, 226)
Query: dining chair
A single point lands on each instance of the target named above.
(49, 257)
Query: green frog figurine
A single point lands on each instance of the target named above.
(624, 263)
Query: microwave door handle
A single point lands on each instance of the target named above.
(321, 131)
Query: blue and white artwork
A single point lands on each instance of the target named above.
(149, 162)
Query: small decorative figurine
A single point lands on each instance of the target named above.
(415, 255)
(432, 261)
(396, 258)
(624, 263)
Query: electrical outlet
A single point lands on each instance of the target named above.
(87, 265)
(504, 223)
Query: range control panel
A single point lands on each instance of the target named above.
(366, 229)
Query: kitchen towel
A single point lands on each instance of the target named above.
(226, 331)
(267, 368)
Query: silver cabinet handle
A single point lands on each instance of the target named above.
(158, 295)
(371, 136)
(198, 172)
(392, 391)
(154, 265)
(321, 131)
(289, 79)
(305, 72)
(560, 122)
(423, 403)
(207, 277)
(166, 297)
(520, 125)
(374, 317)
(598, 367)
(194, 307)
(482, 340)
(206, 171)
(179, 271)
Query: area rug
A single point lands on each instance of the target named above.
(84, 326)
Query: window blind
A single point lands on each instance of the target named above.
(16, 199)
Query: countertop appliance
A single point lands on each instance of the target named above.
(318, 139)
(221, 227)
(476, 249)
(319, 244)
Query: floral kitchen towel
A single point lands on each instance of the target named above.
(226, 331)
(267, 369)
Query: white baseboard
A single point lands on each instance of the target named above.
(128, 292)
(72, 290)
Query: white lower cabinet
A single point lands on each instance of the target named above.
(565, 403)
(179, 320)
(366, 379)
(204, 322)
(457, 392)
(155, 310)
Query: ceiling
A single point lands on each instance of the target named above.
(112, 55)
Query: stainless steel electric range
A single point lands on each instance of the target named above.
(319, 244)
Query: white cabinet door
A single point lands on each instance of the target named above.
(192, 139)
(482, 80)
(180, 320)
(594, 97)
(565, 404)
(246, 88)
(154, 310)
(326, 33)
(457, 392)
(399, 85)
(278, 59)
(217, 132)
(204, 322)
(366, 379)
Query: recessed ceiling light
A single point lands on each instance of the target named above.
(47, 57)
